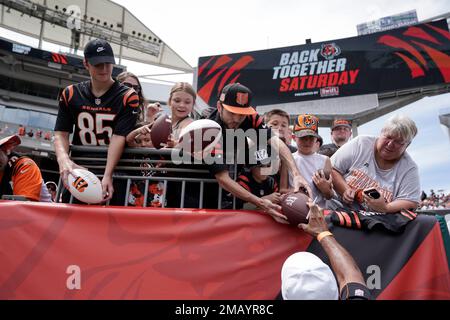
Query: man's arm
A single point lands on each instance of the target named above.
(284, 180)
(324, 185)
(115, 151)
(341, 187)
(288, 161)
(380, 205)
(342, 263)
(66, 165)
(225, 181)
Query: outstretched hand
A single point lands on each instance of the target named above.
(316, 223)
(273, 210)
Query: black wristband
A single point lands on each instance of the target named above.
(355, 291)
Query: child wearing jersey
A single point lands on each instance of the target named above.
(99, 112)
(316, 168)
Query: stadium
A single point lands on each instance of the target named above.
(173, 215)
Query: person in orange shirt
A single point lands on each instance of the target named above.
(20, 175)
(22, 130)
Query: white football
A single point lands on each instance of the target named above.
(85, 186)
(200, 135)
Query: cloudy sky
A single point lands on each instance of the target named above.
(208, 27)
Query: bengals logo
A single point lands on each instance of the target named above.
(330, 51)
(80, 184)
(304, 122)
(309, 122)
(242, 98)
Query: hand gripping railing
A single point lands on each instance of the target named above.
(130, 168)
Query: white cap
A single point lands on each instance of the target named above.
(305, 277)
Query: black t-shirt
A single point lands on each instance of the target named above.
(267, 187)
(227, 156)
(97, 119)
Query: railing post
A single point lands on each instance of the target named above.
(127, 193)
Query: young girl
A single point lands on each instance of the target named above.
(316, 168)
(181, 103)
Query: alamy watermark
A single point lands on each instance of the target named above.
(250, 147)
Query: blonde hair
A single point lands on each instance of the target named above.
(402, 126)
(183, 87)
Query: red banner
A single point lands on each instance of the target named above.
(57, 251)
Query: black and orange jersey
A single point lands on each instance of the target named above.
(265, 188)
(96, 119)
(21, 177)
(251, 122)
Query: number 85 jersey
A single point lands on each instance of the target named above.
(96, 119)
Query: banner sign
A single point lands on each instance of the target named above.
(61, 60)
(57, 251)
(408, 57)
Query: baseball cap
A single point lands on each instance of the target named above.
(306, 125)
(236, 98)
(99, 51)
(305, 277)
(9, 143)
(341, 122)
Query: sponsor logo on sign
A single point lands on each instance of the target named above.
(20, 49)
(329, 91)
(330, 50)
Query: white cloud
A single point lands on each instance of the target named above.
(432, 157)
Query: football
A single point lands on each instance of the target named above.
(85, 186)
(200, 135)
(161, 130)
(294, 207)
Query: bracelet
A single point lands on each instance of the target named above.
(324, 234)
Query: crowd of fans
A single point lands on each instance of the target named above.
(24, 132)
(434, 201)
(368, 173)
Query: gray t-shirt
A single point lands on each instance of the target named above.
(308, 165)
(356, 162)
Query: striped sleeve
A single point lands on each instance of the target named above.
(131, 99)
(27, 179)
(64, 121)
(243, 182)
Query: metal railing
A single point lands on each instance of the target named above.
(134, 167)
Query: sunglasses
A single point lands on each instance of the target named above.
(136, 87)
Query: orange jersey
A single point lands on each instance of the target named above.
(25, 178)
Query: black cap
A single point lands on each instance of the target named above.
(237, 98)
(99, 51)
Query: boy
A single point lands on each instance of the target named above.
(102, 111)
(257, 181)
(316, 168)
